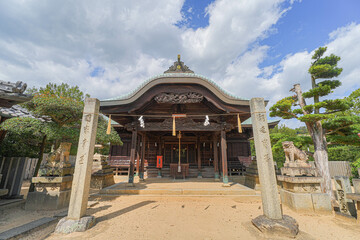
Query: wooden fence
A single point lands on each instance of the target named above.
(31, 164)
(338, 168)
(30, 168)
(12, 170)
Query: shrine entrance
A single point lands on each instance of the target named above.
(187, 154)
(210, 120)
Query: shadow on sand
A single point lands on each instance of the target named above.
(123, 211)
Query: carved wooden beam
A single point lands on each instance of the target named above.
(179, 98)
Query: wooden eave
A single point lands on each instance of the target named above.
(175, 80)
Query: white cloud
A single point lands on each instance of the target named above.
(233, 27)
(63, 42)
(245, 74)
(129, 41)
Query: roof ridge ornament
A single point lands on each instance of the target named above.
(179, 67)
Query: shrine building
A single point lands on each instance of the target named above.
(180, 123)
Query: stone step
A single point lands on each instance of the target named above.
(237, 198)
(177, 191)
(206, 172)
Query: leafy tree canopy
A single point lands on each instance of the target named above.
(321, 68)
(343, 127)
(62, 103)
(59, 108)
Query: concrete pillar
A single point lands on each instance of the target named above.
(224, 159)
(265, 163)
(76, 220)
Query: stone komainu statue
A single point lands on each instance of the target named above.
(58, 162)
(292, 153)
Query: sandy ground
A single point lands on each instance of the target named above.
(174, 217)
(140, 217)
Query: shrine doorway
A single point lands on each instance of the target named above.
(187, 153)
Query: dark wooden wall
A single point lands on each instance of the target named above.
(237, 145)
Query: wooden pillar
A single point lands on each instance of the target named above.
(142, 156)
(162, 153)
(137, 164)
(172, 153)
(132, 155)
(224, 159)
(216, 158)
(137, 159)
(199, 157)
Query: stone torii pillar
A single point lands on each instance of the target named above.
(273, 222)
(76, 221)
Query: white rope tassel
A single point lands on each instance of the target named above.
(207, 122)
(142, 123)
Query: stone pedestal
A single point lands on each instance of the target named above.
(66, 225)
(252, 176)
(159, 173)
(275, 228)
(298, 168)
(102, 174)
(304, 194)
(50, 193)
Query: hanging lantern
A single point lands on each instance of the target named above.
(239, 124)
(108, 131)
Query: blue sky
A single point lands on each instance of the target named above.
(305, 27)
(251, 48)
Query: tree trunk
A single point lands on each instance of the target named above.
(316, 98)
(317, 134)
(321, 158)
(41, 153)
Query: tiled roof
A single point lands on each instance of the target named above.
(176, 75)
(17, 111)
(249, 122)
(12, 93)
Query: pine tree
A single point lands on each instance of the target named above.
(323, 67)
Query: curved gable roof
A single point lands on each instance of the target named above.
(176, 78)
